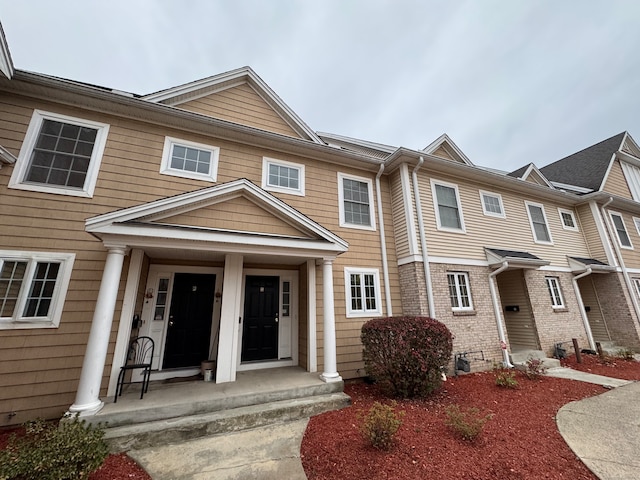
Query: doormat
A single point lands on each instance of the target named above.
(192, 378)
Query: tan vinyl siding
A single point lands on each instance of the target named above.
(616, 183)
(591, 302)
(242, 105)
(520, 325)
(130, 175)
(225, 215)
(443, 153)
(513, 232)
(590, 232)
(399, 215)
(631, 256)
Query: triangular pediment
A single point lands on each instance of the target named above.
(237, 212)
(224, 215)
(238, 96)
(444, 147)
(630, 146)
(530, 173)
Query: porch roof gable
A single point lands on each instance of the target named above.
(147, 219)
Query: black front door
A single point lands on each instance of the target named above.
(261, 309)
(190, 317)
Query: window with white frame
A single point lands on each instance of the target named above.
(553, 285)
(446, 201)
(60, 154)
(32, 288)
(568, 219)
(636, 222)
(283, 177)
(621, 230)
(356, 202)
(459, 292)
(636, 284)
(492, 204)
(363, 292)
(182, 158)
(538, 221)
(632, 175)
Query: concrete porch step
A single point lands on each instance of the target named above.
(519, 359)
(187, 427)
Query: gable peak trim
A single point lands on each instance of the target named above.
(445, 139)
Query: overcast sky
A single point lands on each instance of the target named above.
(511, 82)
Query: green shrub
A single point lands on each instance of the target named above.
(625, 354)
(468, 423)
(69, 450)
(406, 355)
(381, 424)
(534, 368)
(505, 378)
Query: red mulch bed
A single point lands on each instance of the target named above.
(520, 441)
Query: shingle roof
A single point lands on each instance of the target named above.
(513, 254)
(589, 261)
(519, 172)
(587, 167)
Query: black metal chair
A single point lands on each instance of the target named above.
(139, 357)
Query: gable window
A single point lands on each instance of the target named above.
(492, 204)
(447, 206)
(32, 288)
(60, 154)
(539, 225)
(363, 292)
(356, 202)
(182, 158)
(553, 285)
(283, 177)
(459, 292)
(621, 230)
(568, 219)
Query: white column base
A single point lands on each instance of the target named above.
(328, 378)
(85, 410)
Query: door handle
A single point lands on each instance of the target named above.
(171, 320)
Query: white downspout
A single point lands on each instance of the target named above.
(383, 245)
(616, 247)
(496, 308)
(423, 240)
(583, 312)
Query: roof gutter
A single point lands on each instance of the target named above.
(423, 238)
(383, 245)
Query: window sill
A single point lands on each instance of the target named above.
(560, 310)
(464, 313)
(27, 325)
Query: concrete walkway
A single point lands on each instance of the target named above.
(266, 453)
(603, 431)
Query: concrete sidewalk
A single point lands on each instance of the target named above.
(604, 431)
(271, 452)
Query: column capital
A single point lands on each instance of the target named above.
(117, 248)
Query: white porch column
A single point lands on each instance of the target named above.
(87, 401)
(230, 314)
(330, 373)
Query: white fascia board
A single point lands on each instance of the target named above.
(444, 138)
(6, 63)
(228, 242)
(606, 175)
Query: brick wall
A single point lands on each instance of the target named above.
(413, 289)
(555, 325)
(617, 309)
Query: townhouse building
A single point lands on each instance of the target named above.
(212, 218)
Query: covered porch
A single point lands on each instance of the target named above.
(183, 251)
